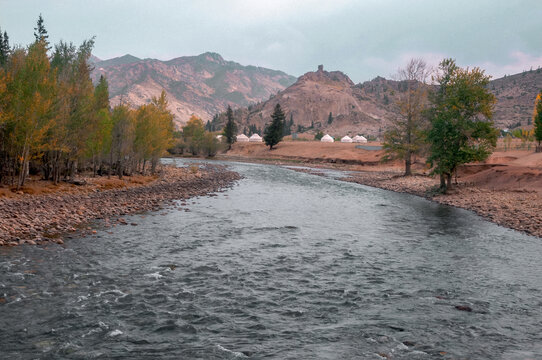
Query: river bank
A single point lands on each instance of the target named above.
(517, 209)
(35, 219)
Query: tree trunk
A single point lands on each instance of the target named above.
(408, 164)
(448, 181)
(120, 169)
(442, 183)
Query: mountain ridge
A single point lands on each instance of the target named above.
(203, 84)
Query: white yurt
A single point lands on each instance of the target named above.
(346, 139)
(242, 138)
(359, 139)
(255, 138)
(327, 138)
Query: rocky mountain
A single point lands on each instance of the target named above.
(363, 108)
(202, 85)
(367, 108)
(515, 98)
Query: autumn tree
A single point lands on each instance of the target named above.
(461, 127)
(32, 89)
(193, 133)
(537, 121)
(123, 136)
(100, 126)
(405, 137)
(230, 130)
(274, 132)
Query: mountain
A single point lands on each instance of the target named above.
(515, 98)
(202, 85)
(368, 108)
(363, 108)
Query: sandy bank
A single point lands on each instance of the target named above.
(34, 219)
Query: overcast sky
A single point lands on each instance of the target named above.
(362, 38)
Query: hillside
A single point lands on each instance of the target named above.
(364, 108)
(203, 85)
(515, 98)
(367, 108)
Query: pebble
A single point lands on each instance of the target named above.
(34, 217)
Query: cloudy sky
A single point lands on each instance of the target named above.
(362, 38)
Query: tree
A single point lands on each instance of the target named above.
(330, 118)
(230, 129)
(404, 138)
(193, 133)
(274, 132)
(537, 121)
(4, 48)
(39, 31)
(461, 127)
(123, 136)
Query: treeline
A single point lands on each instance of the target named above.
(195, 139)
(55, 122)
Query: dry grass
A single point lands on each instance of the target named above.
(36, 186)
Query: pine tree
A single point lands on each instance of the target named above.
(40, 32)
(274, 132)
(537, 120)
(330, 118)
(4, 48)
(231, 129)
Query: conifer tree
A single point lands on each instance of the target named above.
(4, 48)
(40, 33)
(231, 128)
(274, 132)
(330, 118)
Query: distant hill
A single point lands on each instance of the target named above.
(364, 108)
(203, 85)
(368, 108)
(515, 98)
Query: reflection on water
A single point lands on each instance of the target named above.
(285, 265)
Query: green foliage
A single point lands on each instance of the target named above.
(319, 135)
(40, 33)
(330, 118)
(52, 116)
(274, 132)
(210, 144)
(230, 130)
(4, 48)
(461, 127)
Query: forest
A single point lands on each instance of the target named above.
(54, 122)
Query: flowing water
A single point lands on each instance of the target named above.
(285, 265)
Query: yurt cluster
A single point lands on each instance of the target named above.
(326, 138)
(253, 138)
(345, 139)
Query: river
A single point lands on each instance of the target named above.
(285, 265)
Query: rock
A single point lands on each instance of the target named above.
(59, 241)
(463, 308)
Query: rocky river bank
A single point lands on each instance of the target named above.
(36, 219)
(518, 209)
